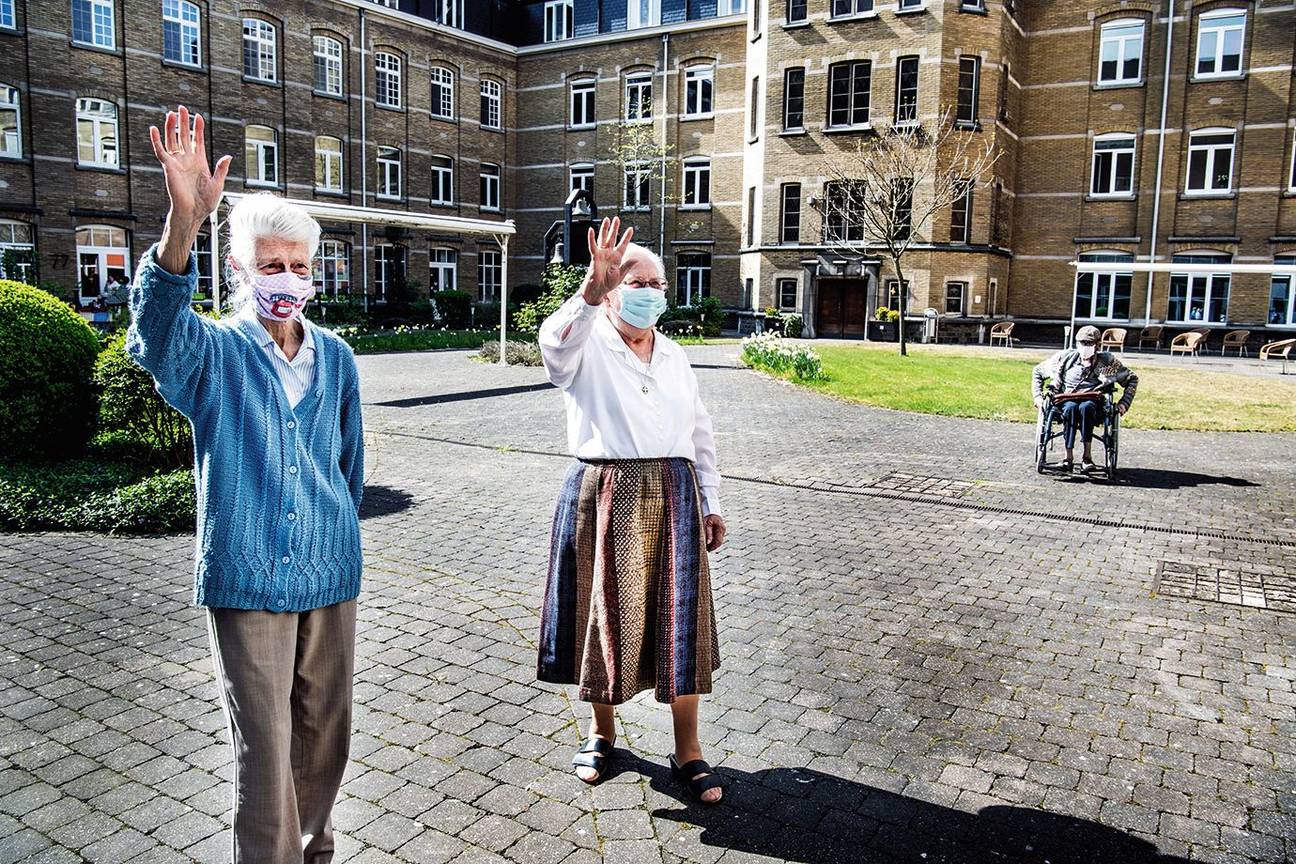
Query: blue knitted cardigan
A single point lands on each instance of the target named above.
(278, 488)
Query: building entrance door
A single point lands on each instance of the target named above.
(843, 309)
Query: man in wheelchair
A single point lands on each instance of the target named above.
(1071, 376)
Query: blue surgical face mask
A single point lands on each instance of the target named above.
(641, 307)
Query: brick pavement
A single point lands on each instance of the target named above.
(903, 679)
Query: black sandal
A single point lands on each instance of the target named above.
(595, 753)
(688, 775)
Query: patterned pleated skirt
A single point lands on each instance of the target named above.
(628, 602)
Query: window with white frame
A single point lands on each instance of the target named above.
(848, 93)
(17, 252)
(491, 110)
(790, 213)
(328, 163)
(387, 79)
(443, 101)
(261, 154)
(442, 180)
(731, 7)
(449, 12)
(794, 98)
(699, 90)
(581, 176)
(1113, 165)
(333, 268)
(202, 250)
(10, 122)
(847, 8)
(103, 255)
(638, 185)
(1120, 52)
(643, 13)
(489, 271)
(969, 89)
(181, 32)
(955, 298)
(490, 186)
(697, 184)
(910, 4)
(973, 5)
(557, 20)
(328, 65)
(93, 23)
(638, 97)
(1282, 299)
(389, 266)
(797, 11)
(1220, 34)
(1210, 161)
(390, 161)
(443, 269)
(7, 19)
(692, 277)
(582, 102)
(1104, 296)
(906, 104)
(1200, 297)
(96, 121)
(786, 290)
(260, 50)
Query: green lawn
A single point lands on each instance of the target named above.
(939, 382)
(414, 339)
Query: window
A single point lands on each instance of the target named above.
(893, 293)
(790, 213)
(491, 111)
(582, 103)
(998, 217)
(697, 184)
(955, 298)
(387, 80)
(447, 12)
(751, 216)
(443, 273)
(443, 93)
(1219, 42)
(328, 164)
(1210, 161)
(181, 32)
(93, 24)
(96, 121)
(261, 153)
(203, 255)
(754, 132)
(638, 97)
(328, 66)
(442, 180)
(102, 255)
(7, 14)
(902, 190)
(969, 89)
(699, 90)
(757, 20)
(731, 7)
(843, 221)
(643, 13)
(17, 252)
(10, 122)
(389, 172)
(582, 177)
(557, 20)
(961, 212)
(796, 11)
(847, 8)
(489, 272)
(1113, 165)
(910, 4)
(1104, 296)
(638, 177)
(848, 94)
(1120, 58)
(1199, 296)
(259, 50)
(692, 277)
(389, 267)
(786, 290)
(906, 107)
(794, 99)
(333, 268)
(973, 5)
(490, 186)
(1282, 299)
(1005, 76)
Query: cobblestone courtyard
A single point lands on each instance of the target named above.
(930, 653)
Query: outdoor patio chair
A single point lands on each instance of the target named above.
(1151, 333)
(1113, 337)
(1281, 349)
(1187, 343)
(1002, 331)
(1236, 339)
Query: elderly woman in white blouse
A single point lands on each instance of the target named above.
(628, 603)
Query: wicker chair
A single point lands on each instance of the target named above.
(1236, 339)
(1002, 331)
(1281, 349)
(1151, 333)
(1113, 337)
(1188, 343)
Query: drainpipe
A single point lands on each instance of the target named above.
(661, 227)
(364, 170)
(1161, 145)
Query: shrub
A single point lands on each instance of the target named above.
(453, 309)
(793, 324)
(85, 495)
(560, 282)
(707, 312)
(129, 405)
(515, 353)
(884, 313)
(47, 354)
(768, 351)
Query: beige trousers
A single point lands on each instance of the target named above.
(285, 680)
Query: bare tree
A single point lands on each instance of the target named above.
(883, 195)
(634, 147)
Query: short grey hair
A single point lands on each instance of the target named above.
(264, 215)
(634, 250)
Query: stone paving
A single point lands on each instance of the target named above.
(910, 673)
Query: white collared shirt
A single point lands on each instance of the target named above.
(297, 375)
(619, 407)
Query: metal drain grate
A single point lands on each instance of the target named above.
(1230, 585)
(916, 484)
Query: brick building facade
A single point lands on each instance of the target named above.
(496, 109)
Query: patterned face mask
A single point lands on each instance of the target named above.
(282, 296)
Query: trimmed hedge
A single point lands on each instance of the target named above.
(91, 495)
(130, 409)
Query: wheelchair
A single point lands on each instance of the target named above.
(1106, 431)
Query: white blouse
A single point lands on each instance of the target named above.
(619, 407)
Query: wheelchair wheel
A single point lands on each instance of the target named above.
(1042, 440)
(1112, 448)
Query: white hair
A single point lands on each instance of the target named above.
(264, 215)
(634, 250)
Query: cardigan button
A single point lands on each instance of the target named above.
(285, 559)
(292, 424)
(292, 517)
(292, 469)
(280, 603)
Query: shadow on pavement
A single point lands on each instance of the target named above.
(417, 401)
(807, 816)
(1154, 478)
(384, 501)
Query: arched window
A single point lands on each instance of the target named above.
(333, 267)
(1200, 297)
(328, 65)
(1210, 161)
(492, 108)
(389, 266)
(10, 122)
(638, 96)
(1104, 296)
(181, 32)
(17, 252)
(260, 50)
(328, 163)
(692, 277)
(1220, 36)
(1113, 165)
(442, 180)
(443, 269)
(261, 152)
(103, 257)
(582, 91)
(96, 121)
(581, 177)
(389, 172)
(699, 89)
(388, 89)
(1120, 51)
(443, 93)
(697, 183)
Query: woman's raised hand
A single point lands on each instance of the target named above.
(194, 189)
(605, 260)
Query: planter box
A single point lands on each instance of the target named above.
(884, 331)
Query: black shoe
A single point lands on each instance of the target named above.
(595, 753)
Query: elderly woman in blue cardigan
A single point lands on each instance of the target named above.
(279, 465)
